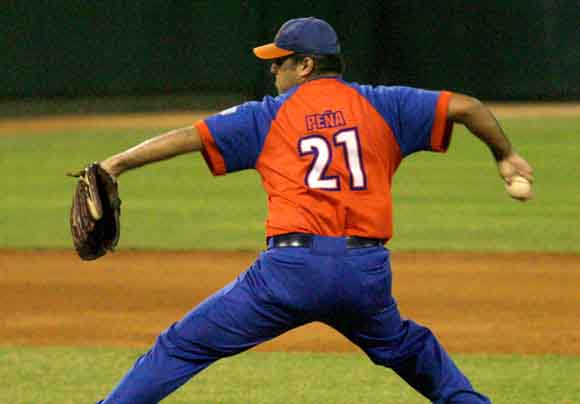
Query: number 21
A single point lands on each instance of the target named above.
(318, 146)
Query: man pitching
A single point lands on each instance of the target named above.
(326, 150)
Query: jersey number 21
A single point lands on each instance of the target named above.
(345, 139)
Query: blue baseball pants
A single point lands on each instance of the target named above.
(348, 289)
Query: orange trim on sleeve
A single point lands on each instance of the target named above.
(442, 127)
(211, 153)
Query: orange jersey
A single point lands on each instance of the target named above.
(327, 151)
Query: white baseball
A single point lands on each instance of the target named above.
(520, 188)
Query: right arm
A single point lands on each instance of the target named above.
(162, 147)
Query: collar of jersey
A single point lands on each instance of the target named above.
(292, 89)
(337, 76)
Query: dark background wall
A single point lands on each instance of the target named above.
(493, 49)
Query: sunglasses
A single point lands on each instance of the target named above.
(280, 61)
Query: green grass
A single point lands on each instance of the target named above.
(442, 202)
(82, 375)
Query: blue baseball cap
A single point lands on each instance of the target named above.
(301, 35)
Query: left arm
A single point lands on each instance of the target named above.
(162, 147)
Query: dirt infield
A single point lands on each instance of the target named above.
(11, 126)
(39, 125)
(523, 303)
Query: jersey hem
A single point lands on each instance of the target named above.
(271, 231)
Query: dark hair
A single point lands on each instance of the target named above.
(322, 63)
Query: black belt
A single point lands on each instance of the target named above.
(305, 240)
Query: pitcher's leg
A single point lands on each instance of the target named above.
(414, 353)
(233, 320)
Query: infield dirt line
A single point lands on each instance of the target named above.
(474, 302)
(48, 124)
(84, 122)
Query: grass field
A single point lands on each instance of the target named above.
(72, 376)
(442, 202)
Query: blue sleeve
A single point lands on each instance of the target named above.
(417, 117)
(239, 132)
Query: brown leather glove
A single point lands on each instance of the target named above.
(95, 211)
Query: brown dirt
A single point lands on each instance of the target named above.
(521, 303)
(38, 125)
(12, 126)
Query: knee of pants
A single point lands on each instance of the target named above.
(411, 341)
(169, 342)
(382, 357)
(176, 346)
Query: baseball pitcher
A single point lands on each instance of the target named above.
(326, 150)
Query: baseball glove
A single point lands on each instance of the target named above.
(94, 215)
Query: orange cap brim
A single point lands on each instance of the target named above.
(271, 51)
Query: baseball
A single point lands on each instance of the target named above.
(520, 188)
